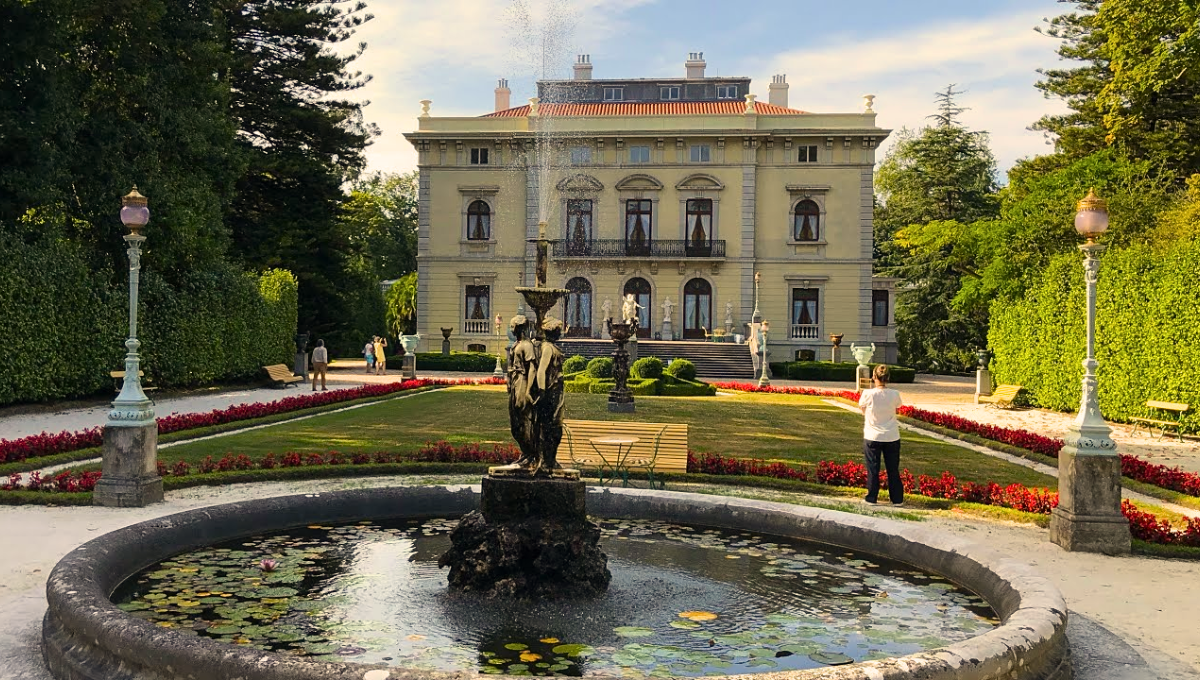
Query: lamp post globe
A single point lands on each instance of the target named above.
(1088, 517)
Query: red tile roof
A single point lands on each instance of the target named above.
(730, 107)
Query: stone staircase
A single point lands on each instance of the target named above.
(713, 359)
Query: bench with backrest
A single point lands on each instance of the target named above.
(1162, 425)
(1002, 397)
(661, 447)
(281, 375)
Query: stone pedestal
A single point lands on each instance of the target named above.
(836, 354)
(408, 366)
(1088, 517)
(633, 349)
(667, 332)
(621, 401)
(530, 539)
(983, 383)
(863, 375)
(130, 467)
(301, 366)
(445, 348)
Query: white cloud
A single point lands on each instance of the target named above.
(994, 59)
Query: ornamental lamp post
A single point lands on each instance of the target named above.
(498, 372)
(756, 317)
(129, 474)
(763, 328)
(1088, 517)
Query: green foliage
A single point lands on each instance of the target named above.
(575, 364)
(466, 362)
(402, 306)
(671, 386)
(840, 372)
(381, 220)
(682, 369)
(647, 367)
(643, 387)
(600, 367)
(1148, 327)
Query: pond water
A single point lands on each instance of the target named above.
(684, 601)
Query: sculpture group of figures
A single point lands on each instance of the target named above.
(535, 396)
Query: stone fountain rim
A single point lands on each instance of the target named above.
(85, 636)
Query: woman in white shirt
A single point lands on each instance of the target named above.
(881, 436)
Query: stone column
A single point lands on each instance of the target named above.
(983, 384)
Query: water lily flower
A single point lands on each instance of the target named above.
(268, 565)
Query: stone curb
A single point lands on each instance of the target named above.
(85, 637)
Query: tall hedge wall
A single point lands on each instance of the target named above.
(1147, 333)
(63, 323)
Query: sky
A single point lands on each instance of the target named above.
(453, 51)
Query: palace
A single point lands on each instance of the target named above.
(674, 190)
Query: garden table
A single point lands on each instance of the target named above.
(616, 461)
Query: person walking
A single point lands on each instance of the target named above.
(369, 355)
(881, 436)
(320, 362)
(380, 357)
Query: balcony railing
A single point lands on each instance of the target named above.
(476, 326)
(615, 247)
(802, 331)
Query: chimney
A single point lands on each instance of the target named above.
(695, 65)
(503, 95)
(778, 95)
(583, 67)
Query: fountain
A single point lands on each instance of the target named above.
(620, 398)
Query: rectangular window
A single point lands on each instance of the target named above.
(879, 308)
(668, 92)
(808, 154)
(698, 223)
(805, 310)
(477, 309)
(701, 153)
(639, 154)
(614, 94)
(639, 218)
(579, 227)
(479, 156)
(581, 155)
(727, 92)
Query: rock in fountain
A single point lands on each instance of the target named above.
(531, 537)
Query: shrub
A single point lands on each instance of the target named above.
(839, 372)
(466, 362)
(600, 367)
(575, 364)
(647, 367)
(678, 387)
(682, 368)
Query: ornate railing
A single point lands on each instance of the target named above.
(615, 247)
(476, 326)
(802, 331)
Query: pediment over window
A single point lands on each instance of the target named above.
(700, 182)
(639, 182)
(580, 183)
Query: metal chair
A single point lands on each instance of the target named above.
(582, 462)
(647, 463)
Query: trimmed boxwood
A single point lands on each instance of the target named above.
(839, 372)
(647, 367)
(682, 368)
(575, 364)
(466, 362)
(600, 367)
(667, 386)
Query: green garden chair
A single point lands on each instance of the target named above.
(647, 463)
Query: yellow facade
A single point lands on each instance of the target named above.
(749, 173)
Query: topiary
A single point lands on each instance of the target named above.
(575, 364)
(647, 367)
(682, 369)
(600, 367)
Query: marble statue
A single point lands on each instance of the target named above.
(862, 353)
(728, 315)
(667, 305)
(629, 308)
(607, 308)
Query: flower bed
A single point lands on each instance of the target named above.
(46, 444)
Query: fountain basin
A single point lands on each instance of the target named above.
(86, 636)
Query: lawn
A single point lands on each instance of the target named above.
(766, 426)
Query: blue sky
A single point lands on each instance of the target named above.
(453, 51)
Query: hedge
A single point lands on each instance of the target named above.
(681, 368)
(575, 364)
(839, 372)
(65, 321)
(667, 386)
(600, 367)
(1147, 333)
(647, 367)
(466, 362)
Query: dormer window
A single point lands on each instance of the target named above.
(727, 92)
(479, 156)
(668, 92)
(614, 94)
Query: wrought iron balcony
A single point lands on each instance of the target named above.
(657, 248)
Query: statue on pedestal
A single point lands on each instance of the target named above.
(728, 317)
(667, 305)
(629, 308)
(607, 308)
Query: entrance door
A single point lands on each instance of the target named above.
(640, 288)
(697, 308)
(578, 308)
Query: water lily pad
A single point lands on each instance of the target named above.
(516, 646)
(684, 624)
(633, 631)
(830, 658)
(573, 650)
(224, 630)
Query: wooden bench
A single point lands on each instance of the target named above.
(1162, 425)
(1002, 397)
(281, 376)
(118, 378)
(661, 447)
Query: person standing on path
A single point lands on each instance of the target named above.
(380, 357)
(369, 355)
(320, 362)
(881, 436)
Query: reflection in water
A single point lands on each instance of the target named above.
(683, 601)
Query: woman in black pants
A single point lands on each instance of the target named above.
(881, 437)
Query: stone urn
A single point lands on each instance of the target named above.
(446, 340)
(984, 356)
(409, 343)
(836, 339)
(862, 353)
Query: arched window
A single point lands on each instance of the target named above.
(639, 219)
(640, 289)
(697, 308)
(699, 227)
(579, 226)
(806, 226)
(578, 308)
(479, 221)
